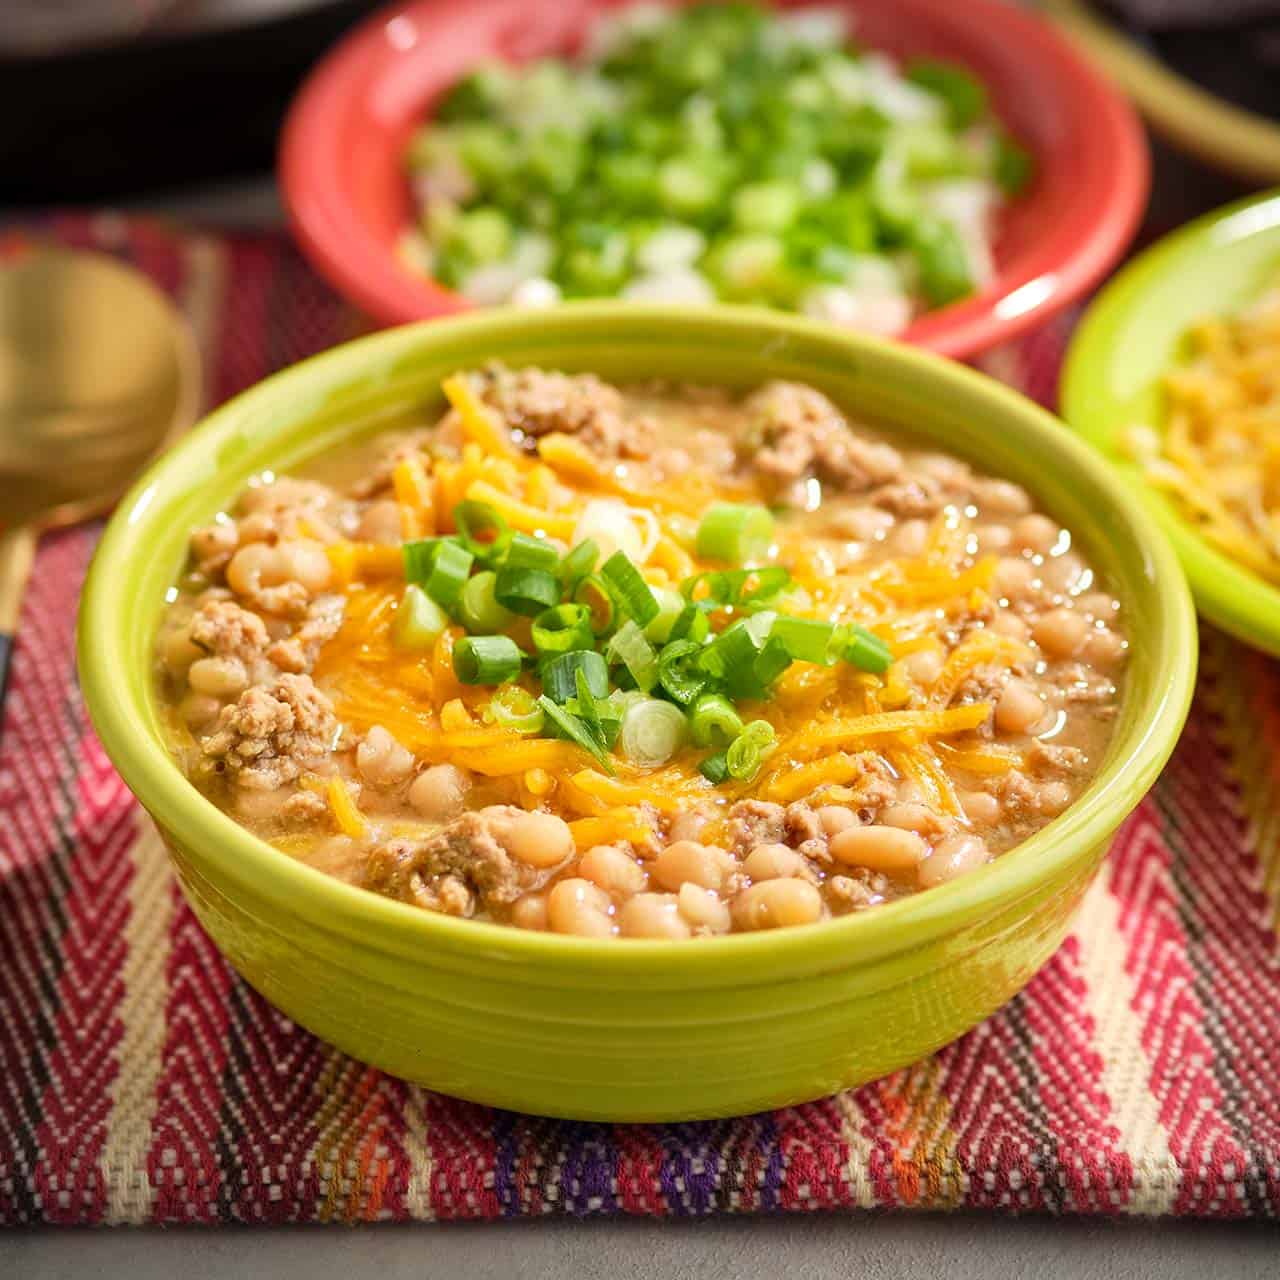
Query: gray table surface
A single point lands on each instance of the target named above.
(870, 1246)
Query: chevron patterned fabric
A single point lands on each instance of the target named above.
(142, 1081)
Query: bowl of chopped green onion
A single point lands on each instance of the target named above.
(944, 174)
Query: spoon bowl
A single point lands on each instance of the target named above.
(98, 371)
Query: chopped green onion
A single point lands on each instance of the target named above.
(678, 671)
(560, 674)
(734, 532)
(745, 657)
(527, 591)
(713, 719)
(419, 620)
(486, 659)
(807, 639)
(449, 573)
(1014, 167)
(868, 652)
(762, 587)
(482, 530)
(593, 593)
(419, 556)
(772, 662)
(745, 589)
(605, 718)
(692, 624)
(714, 768)
(562, 628)
(748, 750)
(478, 607)
(629, 647)
(621, 699)
(579, 563)
(528, 552)
(572, 728)
(964, 96)
(515, 708)
(732, 653)
(631, 592)
(670, 606)
(652, 732)
(587, 709)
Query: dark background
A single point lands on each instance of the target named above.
(108, 99)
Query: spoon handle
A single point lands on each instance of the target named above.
(17, 552)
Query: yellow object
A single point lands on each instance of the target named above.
(415, 495)
(539, 782)
(979, 648)
(520, 515)
(926, 583)
(540, 487)
(345, 814)
(1219, 459)
(363, 561)
(573, 460)
(885, 724)
(454, 716)
(478, 422)
(795, 783)
(981, 759)
(657, 789)
(623, 825)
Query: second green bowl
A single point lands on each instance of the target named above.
(1132, 334)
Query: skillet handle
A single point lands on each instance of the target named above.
(17, 552)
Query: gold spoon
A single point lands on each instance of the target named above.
(98, 371)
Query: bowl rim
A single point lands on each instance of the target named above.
(361, 267)
(1227, 593)
(397, 929)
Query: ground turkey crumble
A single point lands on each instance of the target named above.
(228, 630)
(537, 403)
(272, 733)
(453, 867)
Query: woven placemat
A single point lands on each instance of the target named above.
(142, 1081)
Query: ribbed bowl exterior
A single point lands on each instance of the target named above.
(523, 1041)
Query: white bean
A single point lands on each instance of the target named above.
(440, 792)
(952, 858)
(538, 839)
(1019, 708)
(652, 915)
(381, 760)
(879, 848)
(218, 677)
(615, 871)
(579, 907)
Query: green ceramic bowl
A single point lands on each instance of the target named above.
(1130, 336)
(632, 1030)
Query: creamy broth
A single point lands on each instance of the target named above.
(296, 705)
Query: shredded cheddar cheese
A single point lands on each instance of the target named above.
(345, 814)
(1219, 455)
(479, 424)
(832, 723)
(414, 493)
(625, 825)
(520, 515)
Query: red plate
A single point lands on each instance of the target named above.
(343, 181)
